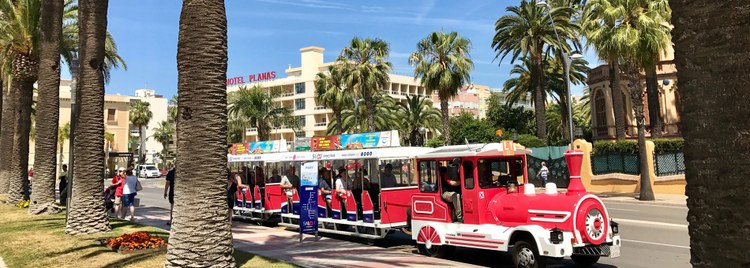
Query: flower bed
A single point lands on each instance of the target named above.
(135, 241)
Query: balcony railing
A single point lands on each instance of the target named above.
(320, 108)
(288, 94)
(321, 124)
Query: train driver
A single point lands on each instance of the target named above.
(451, 190)
(512, 187)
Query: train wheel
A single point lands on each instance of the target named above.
(436, 251)
(525, 255)
(584, 260)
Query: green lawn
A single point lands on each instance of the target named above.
(39, 241)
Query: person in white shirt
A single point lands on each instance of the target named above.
(128, 193)
(342, 186)
(543, 173)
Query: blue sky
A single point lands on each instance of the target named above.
(266, 35)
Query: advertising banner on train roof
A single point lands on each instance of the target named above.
(356, 141)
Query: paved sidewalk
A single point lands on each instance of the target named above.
(281, 244)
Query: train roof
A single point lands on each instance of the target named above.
(379, 153)
(480, 149)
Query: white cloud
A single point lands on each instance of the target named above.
(309, 3)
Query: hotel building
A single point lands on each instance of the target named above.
(299, 94)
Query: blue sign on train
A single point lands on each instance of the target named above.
(308, 215)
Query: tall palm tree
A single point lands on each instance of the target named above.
(47, 110)
(365, 63)
(417, 112)
(331, 93)
(164, 134)
(556, 83)
(20, 25)
(6, 134)
(258, 106)
(639, 32)
(140, 115)
(87, 213)
(201, 234)
(526, 32)
(385, 115)
(442, 62)
(707, 49)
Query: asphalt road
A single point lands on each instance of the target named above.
(653, 235)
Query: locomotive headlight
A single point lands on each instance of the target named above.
(556, 236)
(615, 227)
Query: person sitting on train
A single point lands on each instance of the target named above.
(512, 187)
(275, 178)
(260, 180)
(341, 185)
(451, 190)
(325, 188)
(387, 179)
(289, 182)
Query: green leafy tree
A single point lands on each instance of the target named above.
(442, 63)
(140, 116)
(331, 92)
(257, 107)
(467, 128)
(416, 113)
(63, 134)
(385, 115)
(164, 134)
(508, 118)
(526, 32)
(366, 67)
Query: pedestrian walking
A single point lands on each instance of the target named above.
(128, 194)
(169, 191)
(233, 182)
(118, 183)
(63, 185)
(543, 173)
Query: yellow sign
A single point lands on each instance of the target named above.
(499, 132)
(509, 148)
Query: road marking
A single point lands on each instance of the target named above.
(673, 225)
(623, 209)
(655, 244)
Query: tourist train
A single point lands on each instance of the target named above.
(377, 187)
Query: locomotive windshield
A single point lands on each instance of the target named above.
(495, 173)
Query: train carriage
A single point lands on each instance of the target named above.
(501, 211)
(376, 199)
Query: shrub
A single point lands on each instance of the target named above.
(434, 143)
(668, 145)
(530, 141)
(624, 146)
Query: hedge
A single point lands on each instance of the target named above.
(631, 146)
(530, 141)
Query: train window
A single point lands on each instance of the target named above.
(428, 176)
(394, 173)
(468, 174)
(494, 173)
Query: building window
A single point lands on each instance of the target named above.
(601, 126)
(301, 120)
(111, 115)
(299, 88)
(299, 104)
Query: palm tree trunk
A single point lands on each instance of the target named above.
(537, 78)
(614, 85)
(141, 155)
(415, 139)
(654, 109)
(201, 234)
(19, 156)
(564, 115)
(370, 113)
(87, 213)
(6, 138)
(48, 106)
(710, 46)
(445, 116)
(636, 94)
(339, 127)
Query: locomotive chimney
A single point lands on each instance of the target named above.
(574, 158)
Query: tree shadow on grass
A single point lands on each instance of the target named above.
(241, 258)
(135, 257)
(71, 250)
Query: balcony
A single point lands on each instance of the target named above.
(321, 124)
(287, 94)
(320, 107)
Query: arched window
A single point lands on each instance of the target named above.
(600, 109)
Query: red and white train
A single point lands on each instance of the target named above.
(499, 209)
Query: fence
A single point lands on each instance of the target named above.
(558, 168)
(669, 163)
(616, 163)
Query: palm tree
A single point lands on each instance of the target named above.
(6, 134)
(63, 133)
(47, 110)
(331, 93)
(443, 64)
(556, 83)
(258, 107)
(87, 213)
(140, 116)
(201, 234)
(639, 33)
(164, 134)
(526, 32)
(20, 28)
(417, 112)
(707, 51)
(172, 109)
(366, 68)
(385, 115)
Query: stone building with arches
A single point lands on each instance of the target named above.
(602, 108)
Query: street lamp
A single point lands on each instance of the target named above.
(356, 114)
(567, 61)
(423, 131)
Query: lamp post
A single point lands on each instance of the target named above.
(567, 61)
(356, 115)
(73, 119)
(422, 132)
